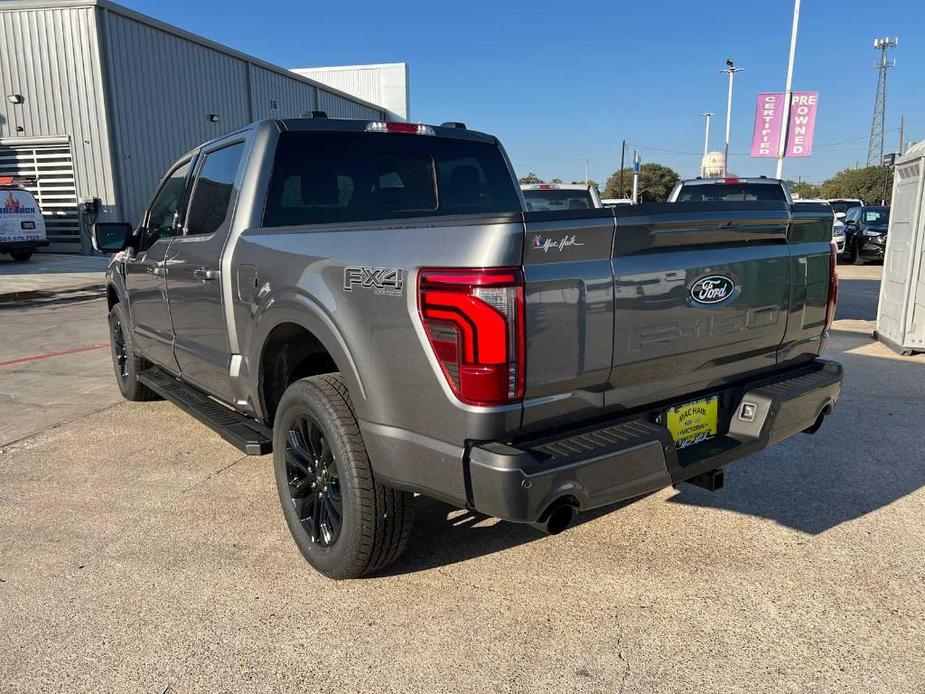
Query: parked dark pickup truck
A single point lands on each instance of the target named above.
(371, 302)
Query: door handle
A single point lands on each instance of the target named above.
(157, 270)
(206, 275)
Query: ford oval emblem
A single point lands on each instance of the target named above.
(712, 289)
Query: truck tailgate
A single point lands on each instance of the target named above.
(701, 296)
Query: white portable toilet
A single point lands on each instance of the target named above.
(901, 312)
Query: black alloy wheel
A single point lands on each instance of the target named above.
(314, 484)
(119, 351)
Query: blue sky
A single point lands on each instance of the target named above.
(561, 82)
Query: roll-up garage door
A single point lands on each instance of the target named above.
(50, 164)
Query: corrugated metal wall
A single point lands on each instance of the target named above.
(164, 86)
(51, 57)
(337, 106)
(162, 90)
(277, 96)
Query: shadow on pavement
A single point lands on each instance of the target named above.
(858, 299)
(52, 264)
(444, 535)
(867, 455)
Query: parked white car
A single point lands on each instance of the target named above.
(22, 227)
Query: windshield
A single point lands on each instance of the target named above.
(875, 216)
(731, 192)
(842, 206)
(558, 199)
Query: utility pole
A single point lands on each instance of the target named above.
(902, 130)
(587, 171)
(731, 69)
(788, 92)
(635, 177)
(878, 123)
(622, 164)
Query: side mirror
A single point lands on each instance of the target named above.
(111, 237)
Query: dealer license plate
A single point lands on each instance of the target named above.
(693, 422)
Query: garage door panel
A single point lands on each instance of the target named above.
(55, 189)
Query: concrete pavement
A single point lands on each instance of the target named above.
(47, 275)
(142, 553)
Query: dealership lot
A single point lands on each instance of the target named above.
(142, 553)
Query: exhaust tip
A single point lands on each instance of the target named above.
(560, 518)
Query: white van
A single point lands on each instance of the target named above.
(22, 227)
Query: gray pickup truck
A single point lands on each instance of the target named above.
(371, 303)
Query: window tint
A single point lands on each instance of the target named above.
(558, 199)
(213, 189)
(731, 192)
(349, 177)
(162, 215)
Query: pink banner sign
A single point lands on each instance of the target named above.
(769, 113)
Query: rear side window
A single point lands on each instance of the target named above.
(731, 192)
(213, 190)
(328, 178)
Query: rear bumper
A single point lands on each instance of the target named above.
(614, 461)
(7, 246)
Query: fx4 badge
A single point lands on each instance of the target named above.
(388, 281)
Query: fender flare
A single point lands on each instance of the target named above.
(302, 310)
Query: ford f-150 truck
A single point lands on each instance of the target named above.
(372, 303)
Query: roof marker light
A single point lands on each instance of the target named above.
(403, 128)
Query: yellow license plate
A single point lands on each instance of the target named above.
(693, 422)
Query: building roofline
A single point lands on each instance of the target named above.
(11, 5)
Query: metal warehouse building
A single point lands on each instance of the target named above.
(98, 100)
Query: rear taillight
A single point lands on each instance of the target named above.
(833, 285)
(474, 319)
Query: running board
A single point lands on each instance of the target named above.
(240, 431)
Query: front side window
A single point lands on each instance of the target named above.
(213, 190)
(162, 215)
(328, 178)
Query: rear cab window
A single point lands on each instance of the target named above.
(732, 192)
(545, 200)
(342, 177)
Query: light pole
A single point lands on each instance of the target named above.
(788, 92)
(731, 70)
(706, 135)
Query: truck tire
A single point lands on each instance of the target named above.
(344, 522)
(21, 255)
(125, 361)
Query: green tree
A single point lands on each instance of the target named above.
(556, 180)
(865, 183)
(805, 190)
(655, 182)
(530, 178)
(591, 182)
